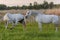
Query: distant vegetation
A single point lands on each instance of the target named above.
(35, 5)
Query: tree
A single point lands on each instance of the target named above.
(24, 7)
(35, 5)
(2, 6)
(51, 5)
(30, 6)
(45, 5)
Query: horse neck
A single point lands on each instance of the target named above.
(37, 15)
(9, 15)
(34, 14)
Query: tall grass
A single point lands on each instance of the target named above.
(32, 32)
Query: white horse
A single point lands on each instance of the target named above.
(14, 19)
(43, 18)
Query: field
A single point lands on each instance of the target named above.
(32, 31)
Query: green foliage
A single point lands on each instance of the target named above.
(51, 5)
(45, 5)
(13, 7)
(35, 5)
(32, 32)
(2, 6)
(30, 6)
(24, 7)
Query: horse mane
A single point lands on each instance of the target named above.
(36, 12)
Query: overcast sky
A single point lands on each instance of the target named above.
(25, 2)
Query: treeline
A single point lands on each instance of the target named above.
(35, 5)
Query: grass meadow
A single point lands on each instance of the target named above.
(32, 32)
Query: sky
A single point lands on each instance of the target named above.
(25, 2)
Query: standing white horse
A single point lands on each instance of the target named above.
(14, 19)
(43, 18)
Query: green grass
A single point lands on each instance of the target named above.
(32, 32)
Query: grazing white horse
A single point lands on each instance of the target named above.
(14, 19)
(43, 18)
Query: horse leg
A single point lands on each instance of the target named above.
(16, 23)
(24, 25)
(13, 25)
(40, 26)
(56, 25)
(6, 24)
